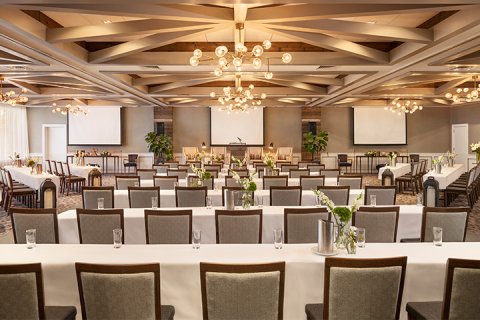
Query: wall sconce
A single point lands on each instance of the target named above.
(271, 146)
(204, 146)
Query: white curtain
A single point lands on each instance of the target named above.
(13, 132)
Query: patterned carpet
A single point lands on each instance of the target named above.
(74, 200)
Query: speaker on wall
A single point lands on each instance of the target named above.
(312, 127)
(160, 127)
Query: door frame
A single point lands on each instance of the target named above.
(44, 129)
(456, 125)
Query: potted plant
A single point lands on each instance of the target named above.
(315, 143)
(160, 145)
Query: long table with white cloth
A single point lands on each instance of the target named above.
(448, 175)
(34, 181)
(180, 269)
(409, 223)
(398, 170)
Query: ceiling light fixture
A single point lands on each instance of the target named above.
(239, 57)
(464, 95)
(107, 21)
(406, 106)
(69, 108)
(11, 97)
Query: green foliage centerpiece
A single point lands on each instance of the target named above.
(202, 175)
(249, 187)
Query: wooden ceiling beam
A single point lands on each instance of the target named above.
(180, 84)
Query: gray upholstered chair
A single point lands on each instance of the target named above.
(181, 174)
(242, 291)
(165, 183)
(213, 173)
(316, 167)
(353, 181)
(191, 196)
(123, 182)
(274, 181)
(288, 167)
(90, 196)
(168, 226)
(240, 172)
(43, 220)
(330, 173)
(185, 167)
(231, 182)
(171, 164)
(22, 295)
(96, 226)
(297, 173)
(238, 226)
(128, 292)
(193, 181)
(146, 174)
(311, 182)
(361, 289)
(286, 196)
(161, 168)
(338, 194)
(385, 195)
(301, 225)
(380, 223)
(216, 167)
(141, 197)
(460, 296)
(453, 221)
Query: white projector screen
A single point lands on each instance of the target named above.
(375, 126)
(227, 128)
(102, 126)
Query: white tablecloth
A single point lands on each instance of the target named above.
(399, 170)
(180, 279)
(32, 180)
(448, 175)
(409, 224)
(81, 171)
(167, 197)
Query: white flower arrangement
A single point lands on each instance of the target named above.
(201, 173)
(247, 183)
(269, 160)
(238, 162)
(343, 217)
(475, 147)
(438, 160)
(451, 155)
(391, 155)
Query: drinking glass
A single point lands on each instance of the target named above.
(259, 201)
(209, 203)
(154, 203)
(437, 236)
(419, 199)
(373, 200)
(361, 237)
(31, 238)
(318, 202)
(117, 238)
(135, 184)
(278, 238)
(100, 203)
(196, 238)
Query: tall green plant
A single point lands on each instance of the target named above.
(315, 143)
(160, 145)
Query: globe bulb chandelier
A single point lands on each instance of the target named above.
(11, 97)
(464, 95)
(238, 98)
(71, 108)
(405, 106)
(239, 57)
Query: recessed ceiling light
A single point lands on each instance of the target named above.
(107, 21)
(371, 22)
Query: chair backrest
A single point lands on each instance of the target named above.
(330, 173)
(123, 182)
(161, 168)
(237, 196)
(453, 221)
(55, 168)
(168, 226)
(297, 173)
(231, 182)
(380, 223)
(286, 196)
(141, 197)
(49, 166)
(146, 174)
(238, 226)
(240, 172)
(414, 158)
(122, 285)
(342, 158)
(216, 167)
(165, 183)
(191, 196)
(274, 181)
(213, 172)
(196, 164)
(354, 182)
(90, 196)
(132, 158)
(461, 289)
(185, 167)
(338, 194)
(288, 167)
(171, 164)
(379, 283)
(311, 182)
(315, 167)
(181, 174)
(195, 181)
(67, 167)
(22, 292)
(258, 295)
(385, 195)
(301, 225)
(96, 226)
(45, 222)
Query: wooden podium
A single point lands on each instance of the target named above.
(237, 149)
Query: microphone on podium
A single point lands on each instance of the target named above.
(240, 140)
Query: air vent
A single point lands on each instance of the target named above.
(324, 67)
(153, 67)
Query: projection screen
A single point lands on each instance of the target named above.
(376, 126)
(226, 128)
(102, 126)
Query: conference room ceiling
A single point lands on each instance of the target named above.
(136, 53)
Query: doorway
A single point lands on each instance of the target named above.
(460, 143)
(54, 142)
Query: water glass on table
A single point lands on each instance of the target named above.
(278, 238)
(154, 203)
(361, 237)
(117, 238)
(196, 238)
(100, 203)
(373, 200)
(437, 236)
(259, 201)
(31, 238)
(209, 202)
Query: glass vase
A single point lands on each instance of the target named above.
(340, 237)
(247, 200)
(351, 245)
(478, 157)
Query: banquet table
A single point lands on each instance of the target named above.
(409, 223)
(81, 171)
(34, 181)
(448, 175)
(180, 279)
(399, 170)
(167, 197)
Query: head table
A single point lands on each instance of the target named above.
(409, 223)
(180, 278)
(34, 181)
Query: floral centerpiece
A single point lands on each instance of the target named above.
(202, 174)
(80, 157)
(451, 158)
(249, 186)
(437, 163)
(342, 216)
(392, 158)
(269, 161)
(16, 161)
(475, 147)
(239, 163)
(371, 153)
(200, 156)
(31, 163)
